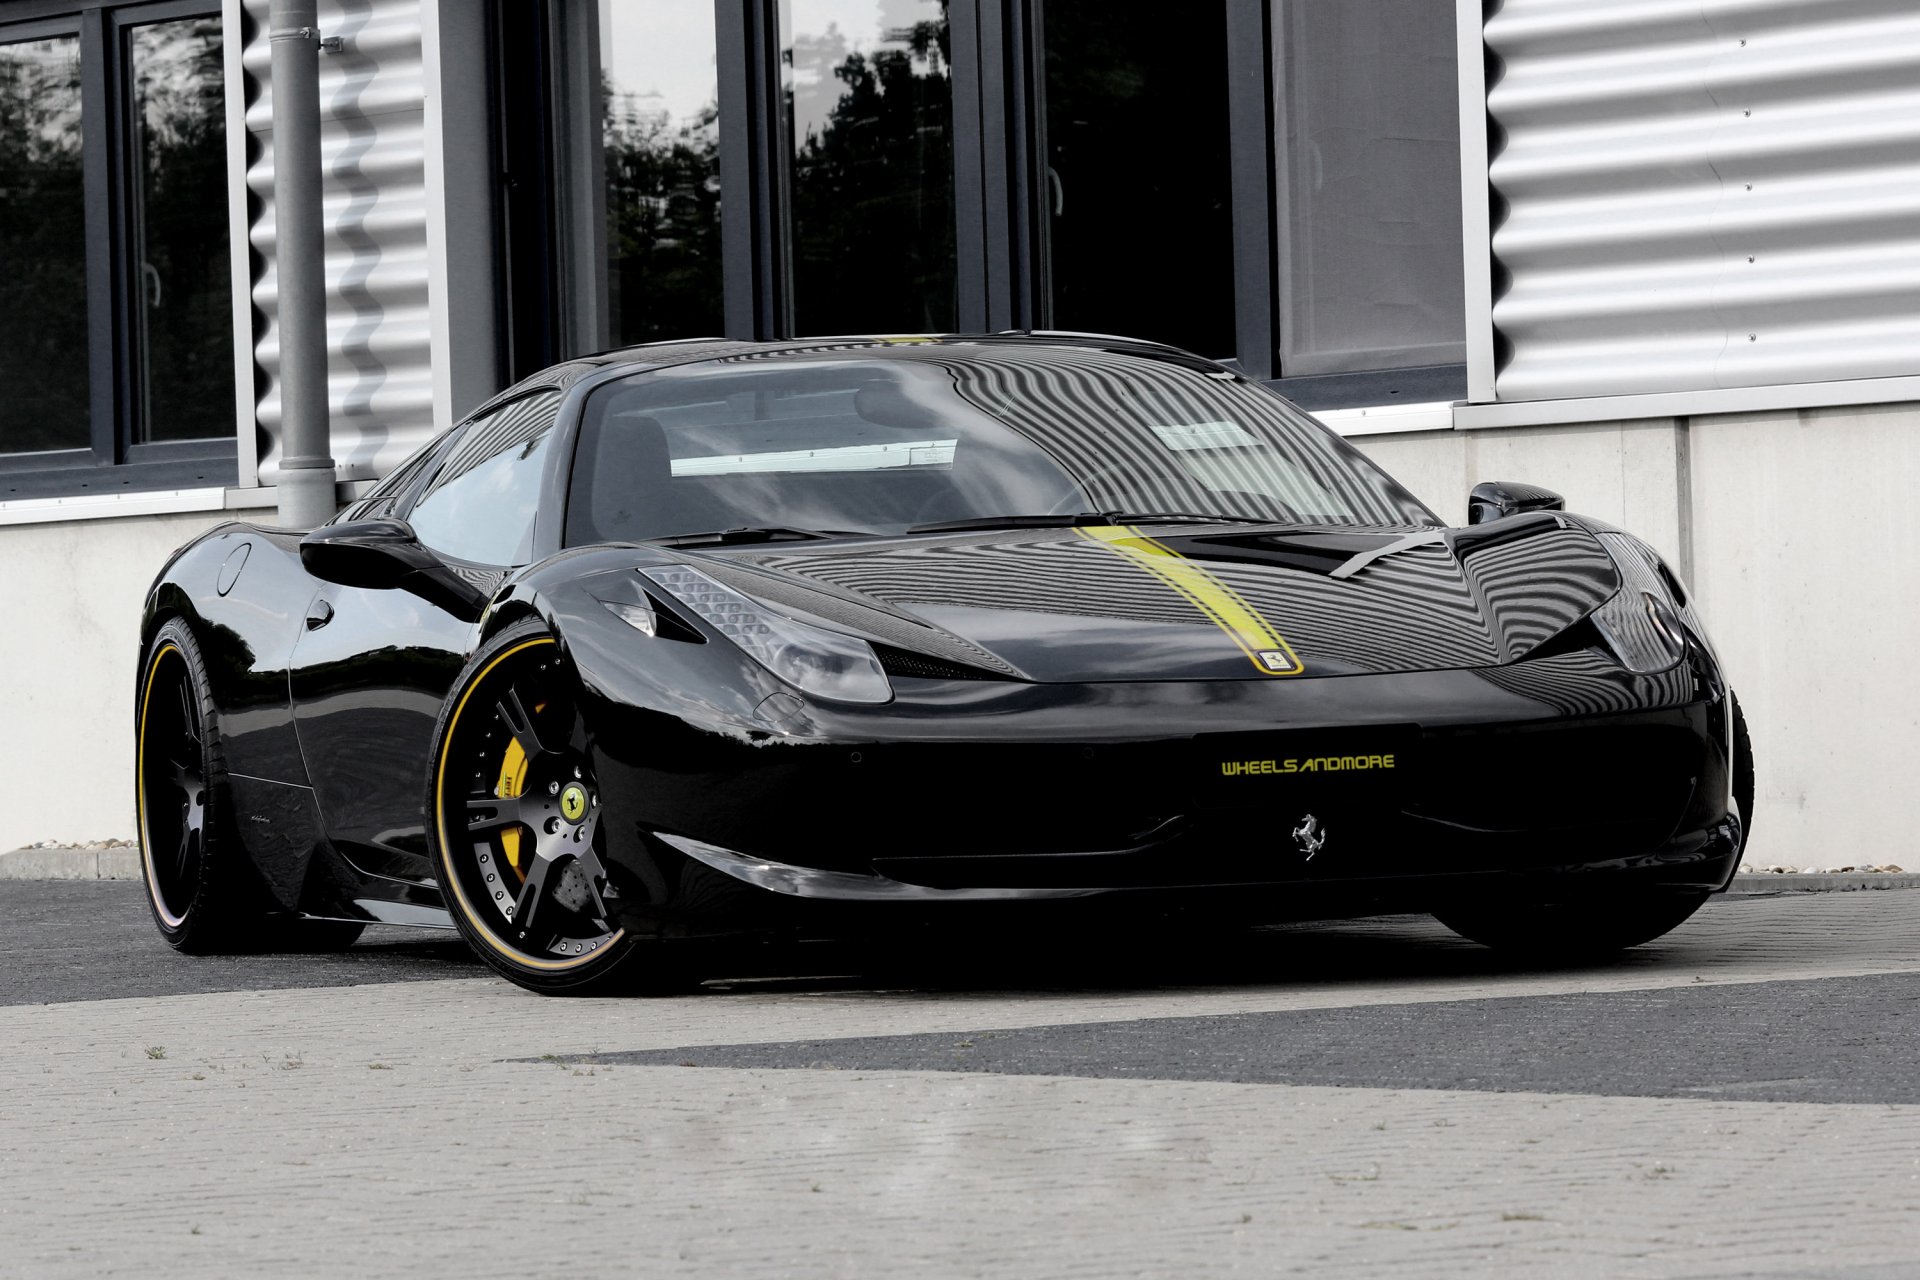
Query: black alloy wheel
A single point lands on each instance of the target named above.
(201, 889)
(173, 790)
(516, 827)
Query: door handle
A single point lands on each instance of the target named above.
(319, 614)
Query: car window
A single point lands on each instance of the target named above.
(480, 504)
(384, 499)
(879, 444)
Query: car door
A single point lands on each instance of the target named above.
(372, 669)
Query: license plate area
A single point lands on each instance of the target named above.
(1370, 766)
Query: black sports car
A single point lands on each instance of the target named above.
(704, 640)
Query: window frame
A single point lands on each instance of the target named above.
(115, 460)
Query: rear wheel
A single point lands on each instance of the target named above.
(200, 884)
(195, 871)
(1580, 930)
(515, 832)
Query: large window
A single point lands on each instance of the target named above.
(661, 148)
(176, 171)
(115, 306)
(1272, 181)
(1138, 182)
(43, 250)
(1369, 196)
(869, 132)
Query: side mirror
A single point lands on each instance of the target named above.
(380, 555)
(1498, 499)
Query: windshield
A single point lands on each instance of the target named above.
(921, 435)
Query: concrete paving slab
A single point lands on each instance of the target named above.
(378, 1130)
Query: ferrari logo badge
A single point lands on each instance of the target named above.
(1309, 837)
(573, 803)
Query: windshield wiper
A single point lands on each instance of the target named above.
(1080, 518)
(747, 533)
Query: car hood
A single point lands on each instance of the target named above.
(1192, 602)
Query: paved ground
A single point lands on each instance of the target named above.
(1368, 1099)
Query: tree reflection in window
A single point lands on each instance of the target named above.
(43, 251)
(662, 154)
(870, 107)
(184, 348)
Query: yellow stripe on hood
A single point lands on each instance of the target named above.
(1269, 652)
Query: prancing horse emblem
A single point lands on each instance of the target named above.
(1309, 837)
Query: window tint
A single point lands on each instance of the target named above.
(480, 506)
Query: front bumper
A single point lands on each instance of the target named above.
(1573, 776)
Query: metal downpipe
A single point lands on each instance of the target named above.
(306, 486)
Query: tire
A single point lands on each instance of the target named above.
(1742, 773)
(1584, 930)
(514, 830)
(201, 888)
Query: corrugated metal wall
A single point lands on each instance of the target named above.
(1690, 195)
(373, 154)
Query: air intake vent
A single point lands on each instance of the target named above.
(919, 666)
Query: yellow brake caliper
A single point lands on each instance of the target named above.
(513, 777)
(513, 780)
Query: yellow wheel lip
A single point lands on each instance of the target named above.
(451, 881)
(140, 790)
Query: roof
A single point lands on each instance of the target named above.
(691, 350)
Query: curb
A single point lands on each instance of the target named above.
(67, 862)
(1769, 886)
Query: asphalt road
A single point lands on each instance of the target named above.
(94, 940)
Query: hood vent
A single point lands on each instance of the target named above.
(919, 666)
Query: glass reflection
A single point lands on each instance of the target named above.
(1369, 165)
(182, 276)
(1138, 183)
(870, 111)
(661, 138)
(43, 251)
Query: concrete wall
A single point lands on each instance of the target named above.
(1792, 530)
(68, 652)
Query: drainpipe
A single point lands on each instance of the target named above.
(306, 461)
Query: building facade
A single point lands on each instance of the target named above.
(1661, 256)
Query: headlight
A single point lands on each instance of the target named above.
(820, 662)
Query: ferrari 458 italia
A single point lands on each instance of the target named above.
(704, 641)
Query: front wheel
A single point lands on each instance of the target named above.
(515, 829)
(1582, 930)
